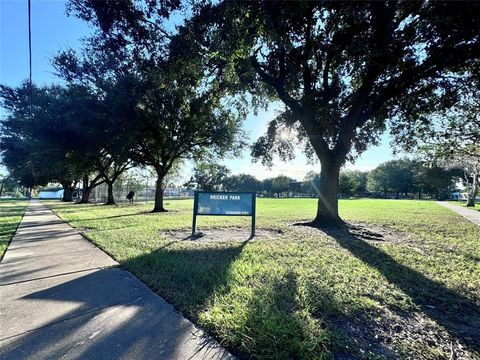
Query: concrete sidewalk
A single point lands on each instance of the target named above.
(469, 214)
(61, 297)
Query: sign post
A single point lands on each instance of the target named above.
(224, 204)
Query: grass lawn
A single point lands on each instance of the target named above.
(462, 203)
(11, 212)
(302, 293)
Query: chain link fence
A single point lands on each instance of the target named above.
(143, 192)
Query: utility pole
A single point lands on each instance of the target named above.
(30, 53)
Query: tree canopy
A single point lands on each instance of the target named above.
(209, 177)
(450, 138)
(342, 69)
(174, 111)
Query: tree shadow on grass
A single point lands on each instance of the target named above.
(188, 276)
(14, 210)
(7, 229)
(116, 216)
(458, 315)
(143, 212)
(272, 327)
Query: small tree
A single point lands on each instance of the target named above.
(280, 184)
(243, 182)
(454, 140)
(209, 177)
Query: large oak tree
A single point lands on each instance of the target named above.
(342, 69)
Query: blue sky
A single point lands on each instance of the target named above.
(52, 30)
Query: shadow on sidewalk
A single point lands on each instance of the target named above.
(105, 314)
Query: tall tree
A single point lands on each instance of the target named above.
(7, 184)
(312, 181)
(243, 182)
(175, 111)
(342, 69)
(348, 183)
(454, 139)
(280, 184)
(397, 176)
(209, 177)
(437, 180)
(267, 186)
(38, 135)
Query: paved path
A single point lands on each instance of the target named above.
(61, 297)
(469, 214)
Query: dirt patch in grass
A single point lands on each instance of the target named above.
(371, 233)
(221, 235)
(371, 339)
(385, 339)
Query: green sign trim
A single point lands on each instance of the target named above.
(215, 203)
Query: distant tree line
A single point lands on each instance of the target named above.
(406, 178)
(402, 178)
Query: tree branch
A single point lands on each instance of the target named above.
(278, 86)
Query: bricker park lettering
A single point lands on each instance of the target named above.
(225, 204)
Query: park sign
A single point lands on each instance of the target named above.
(223, 204)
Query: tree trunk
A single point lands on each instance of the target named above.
(473, 194)
(110, 197)
(327, 210)
(86, 190)
(86, 195)
(67, 193)
(159, 195)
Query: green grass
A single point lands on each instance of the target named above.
(462, 203)
(303, 293)
(11, 212)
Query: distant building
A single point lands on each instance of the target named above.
(171, 192)
(459, 196)
(177, 192)
(186, 192)
(57, 193)
(52, 193)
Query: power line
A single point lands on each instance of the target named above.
(30, 53)
(30, 39)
